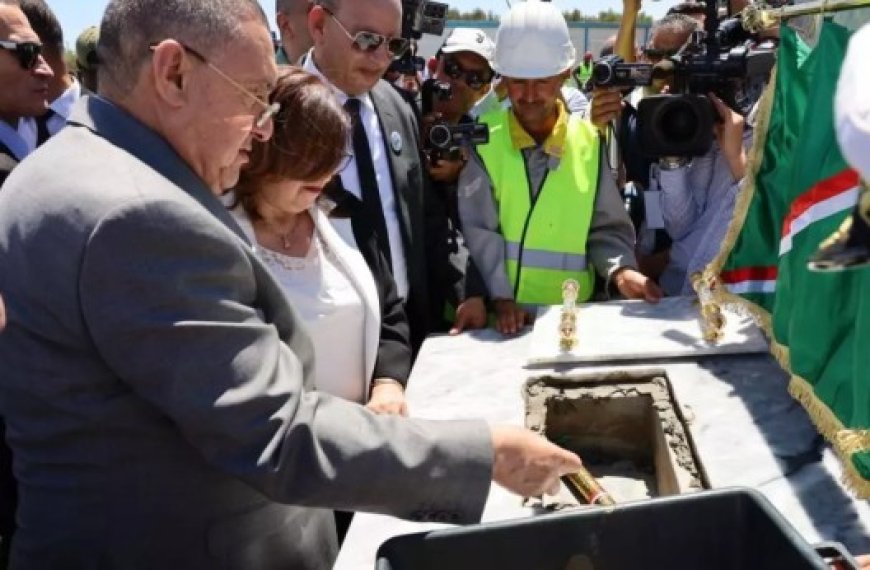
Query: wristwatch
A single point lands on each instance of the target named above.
(673, 162)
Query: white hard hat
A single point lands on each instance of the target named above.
(473, 40)
(533, 42)
(852, 108)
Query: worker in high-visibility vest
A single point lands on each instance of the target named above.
(583, 73)
(537, 203)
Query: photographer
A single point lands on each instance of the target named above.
(464, 66)
(463, 77)
(694, 198)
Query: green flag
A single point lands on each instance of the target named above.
(751, 268)
(803, 190)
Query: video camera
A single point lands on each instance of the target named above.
(419, 17)
(612, 71)
(717, 60)
(444, 141)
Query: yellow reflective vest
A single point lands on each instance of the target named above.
(545, 235)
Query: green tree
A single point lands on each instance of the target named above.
(609, 16)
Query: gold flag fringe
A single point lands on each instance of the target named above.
(714, 297)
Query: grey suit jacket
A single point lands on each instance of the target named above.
(154, 379)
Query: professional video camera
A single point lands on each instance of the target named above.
(444, 141)
(717, 60)
(419, 17)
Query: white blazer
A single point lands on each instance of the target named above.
(355, 268)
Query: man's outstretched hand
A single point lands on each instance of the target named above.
(527, 464)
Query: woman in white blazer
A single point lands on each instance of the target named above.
(354, 317)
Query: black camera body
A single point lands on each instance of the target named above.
(714, 61)
(444, 141)
(419, 17)
(613, 71)
(423, 17)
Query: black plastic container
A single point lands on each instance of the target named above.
(729, 529)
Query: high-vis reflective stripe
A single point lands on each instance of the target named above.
(543, 259)
(546, 233)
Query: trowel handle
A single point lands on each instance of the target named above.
(836, 555)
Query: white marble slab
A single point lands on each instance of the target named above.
(636, 330)
(747, 430)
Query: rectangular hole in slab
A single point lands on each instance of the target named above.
(628, 431)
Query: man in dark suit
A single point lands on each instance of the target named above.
(157, 386)
(354, 44)
(24, 77)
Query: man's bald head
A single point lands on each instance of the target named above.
(129, 27)
(292, 19)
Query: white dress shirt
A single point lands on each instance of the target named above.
(351, 183)
(62, 107)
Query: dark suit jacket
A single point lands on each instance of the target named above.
(156, 382)
(435, 274)
(8, 492)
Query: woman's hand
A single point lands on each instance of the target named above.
(388, 398)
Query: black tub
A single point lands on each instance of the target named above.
(729, 529)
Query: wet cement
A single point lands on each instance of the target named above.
(626, 428)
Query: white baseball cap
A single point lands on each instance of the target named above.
(852, 108)
(474, 40)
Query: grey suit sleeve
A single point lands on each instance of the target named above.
(611, 236)
(480, 226)
(174, 303)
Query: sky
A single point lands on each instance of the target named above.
(76, 15)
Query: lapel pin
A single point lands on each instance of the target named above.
(396, 142)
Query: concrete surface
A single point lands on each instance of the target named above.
(748, 431)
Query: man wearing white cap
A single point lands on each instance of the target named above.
(464, 63)
(850, 248)
(536, 203)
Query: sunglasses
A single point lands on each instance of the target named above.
(473, 78)
(27, 52)
(269, 110)
(370, 41)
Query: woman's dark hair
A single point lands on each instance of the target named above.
(310, 139)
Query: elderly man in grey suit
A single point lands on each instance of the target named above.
(155, 382)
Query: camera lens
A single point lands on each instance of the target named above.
(602, 74)
(440, 136)
(679, 121)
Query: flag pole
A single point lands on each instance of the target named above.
(756, 19)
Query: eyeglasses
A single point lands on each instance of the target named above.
(473, 78)
(654, 54)
(27, 52)
(370, 41)
(269, 109)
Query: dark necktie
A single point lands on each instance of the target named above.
(372, 208)
(42, 133)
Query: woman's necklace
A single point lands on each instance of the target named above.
(287, 236)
